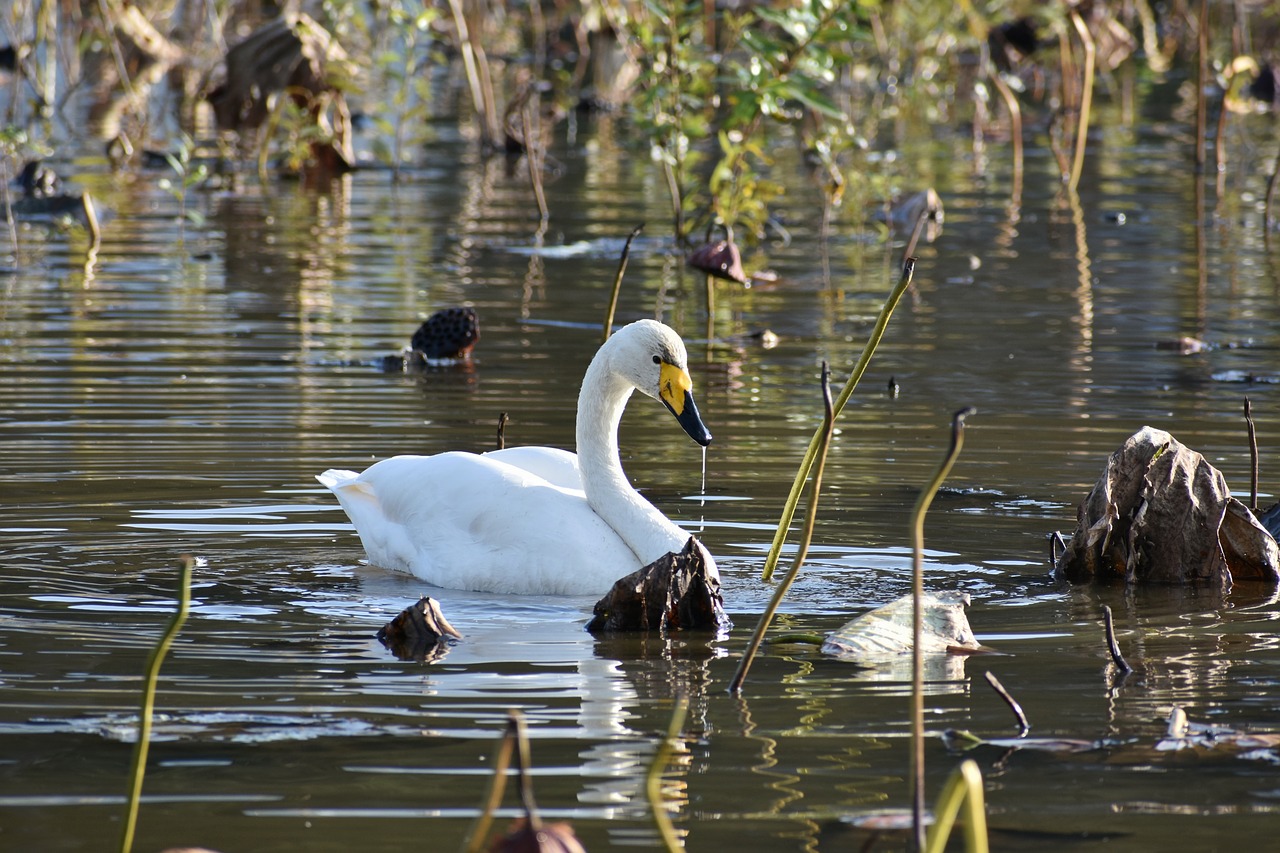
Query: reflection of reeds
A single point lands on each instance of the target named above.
(917, 593)
(877, 332)
(147, 707)
(653, 779)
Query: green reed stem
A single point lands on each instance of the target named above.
(917, 594)
(653, 779)
(793, 498)
(802, 551)
(497, 786)
(617, 281)
(963, 790)
(147, 708)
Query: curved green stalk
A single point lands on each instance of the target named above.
(147, 708)
(497, 786)
(802, 551)
(963, 789)
(653, 779)
(917, 593)
(793, 498)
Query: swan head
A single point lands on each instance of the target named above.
(652, 357)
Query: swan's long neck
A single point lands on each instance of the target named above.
(601, 402)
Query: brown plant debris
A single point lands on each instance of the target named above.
(672, 593)
(292, 54)
(1160, 513)
(419, 633)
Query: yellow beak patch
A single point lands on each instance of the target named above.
(673, 386)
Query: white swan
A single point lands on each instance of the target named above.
(533, 520)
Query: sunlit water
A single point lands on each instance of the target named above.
(178, 393)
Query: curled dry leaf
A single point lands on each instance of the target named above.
(720, 259)
(1160, 513)
(673, 592)
(419, 633)
(886, 631)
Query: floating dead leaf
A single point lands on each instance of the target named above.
(1160, 513)
(674, 592)
(887, 631)
(547, 838)
(419, 633)
(720, 259)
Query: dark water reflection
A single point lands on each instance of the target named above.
(179, 393)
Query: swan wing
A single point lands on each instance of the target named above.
(467, 521)
(556, 466)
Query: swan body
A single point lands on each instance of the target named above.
(532, 520)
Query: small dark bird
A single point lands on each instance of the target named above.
(448, 333)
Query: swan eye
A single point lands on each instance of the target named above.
(657, 360)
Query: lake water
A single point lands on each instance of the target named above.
(178, 392)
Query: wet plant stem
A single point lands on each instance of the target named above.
(147, 708)
(877, 333)
(493, 798)
(524, 769)
(917, 619)
(1202, 82)
(1112, 645)
(1086, 99)
(802, 550)
(617, 281)
(963, 790)
(1253, 457)
(533, 161)
(1024, 727)
(653, 779)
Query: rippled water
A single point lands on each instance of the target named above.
(177, 393)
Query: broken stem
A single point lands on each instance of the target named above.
(147, 708)
(502, 430)
(617, 280)
(1023, 726)
(802, 550)
(793, 498)
(1253, 457)
(653, 779)
(917, 593)
(1112, 645)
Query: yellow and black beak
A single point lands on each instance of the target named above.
(675, 389)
